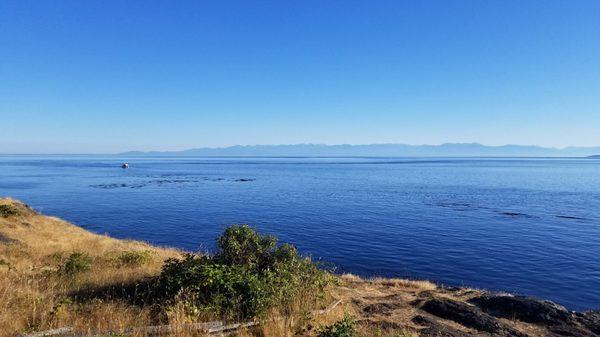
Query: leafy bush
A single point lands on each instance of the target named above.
(8, 210)
(248, 276)
(134, 258)
(76, 263)
(345, 327)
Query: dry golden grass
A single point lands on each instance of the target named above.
(35, 294)
(417, 285)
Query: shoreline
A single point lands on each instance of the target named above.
(33, 246)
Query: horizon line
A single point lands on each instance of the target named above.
(556, 148)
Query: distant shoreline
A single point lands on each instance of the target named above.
(125, 155)
(366, 150)
(381, 150)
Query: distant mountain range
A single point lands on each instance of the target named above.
(381, 150)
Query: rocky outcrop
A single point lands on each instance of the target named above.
(433, 328)
(469, 316)
(418, 308)
(558, 320)
(590, 320)
(526, 309)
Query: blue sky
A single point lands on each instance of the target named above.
(110, 76)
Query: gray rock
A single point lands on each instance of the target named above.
(556, 318)
(437, 329)
(469, 316)
(591, 320)
(526, 309)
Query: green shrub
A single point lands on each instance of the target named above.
(134, 258)
(8, 210)
(77, 263)
(346, 327)
(248, 276)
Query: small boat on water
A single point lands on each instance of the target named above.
(124, 165)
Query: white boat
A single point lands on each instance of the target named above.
(125, 165)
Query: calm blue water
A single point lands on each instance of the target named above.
(526, 226)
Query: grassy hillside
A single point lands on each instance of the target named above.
(45, 262)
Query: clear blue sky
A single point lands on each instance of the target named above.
(109, 76)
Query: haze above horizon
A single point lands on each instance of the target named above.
(108, 77)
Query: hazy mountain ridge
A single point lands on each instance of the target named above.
(381, 150)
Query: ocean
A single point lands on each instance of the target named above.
(527, 226)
